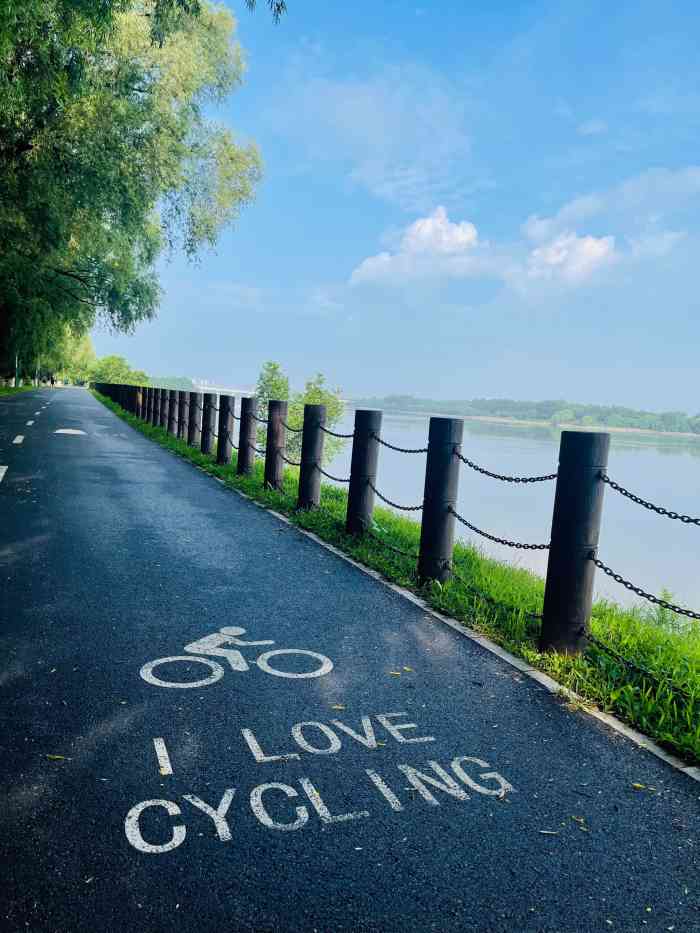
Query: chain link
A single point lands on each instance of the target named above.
(401, 450)
(403, 508)
(290, 462)
(288, 427)
(503, 478)
(259, 420)
(261, 453)
(639, 668)
(485, 534)
(686, 519)
(640, 592)
(335, 433)
(337, 479)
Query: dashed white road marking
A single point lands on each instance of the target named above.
(163, 758)
(3, 470)
(29, 424)
(69, 431)
(18, 439)
(37, 412)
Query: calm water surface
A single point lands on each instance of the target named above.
(652, 551)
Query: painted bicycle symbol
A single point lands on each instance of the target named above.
(225, 644)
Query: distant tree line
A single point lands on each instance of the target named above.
(553, 411)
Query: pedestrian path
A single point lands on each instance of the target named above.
(211, 722)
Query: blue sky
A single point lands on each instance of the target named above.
(459, 200)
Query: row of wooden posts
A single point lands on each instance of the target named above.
(578, 499)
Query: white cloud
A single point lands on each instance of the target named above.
(403, 133)
(561, 250)
(571, 258)
(430, 246)
(640, 202)
(436, 247)
(436, 234)
(592, 128)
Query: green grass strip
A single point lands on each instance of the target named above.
(11, 390)
(662, 699)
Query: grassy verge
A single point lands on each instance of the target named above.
(663, 700)
(9, 390)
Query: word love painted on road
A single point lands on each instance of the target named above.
(225, 643)
(282, 807)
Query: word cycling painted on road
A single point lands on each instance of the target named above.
(280, 806)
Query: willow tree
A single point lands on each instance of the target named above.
(107, 158)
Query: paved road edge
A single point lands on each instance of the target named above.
(551, 685)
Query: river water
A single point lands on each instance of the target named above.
(652, 551)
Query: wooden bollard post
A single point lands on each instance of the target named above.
(276, 442)
(138, 401)
(247, 436)
(183, 414)
(155, 408)
(172, 412)
(578, 505)
(312, 437)
(148, 413)
(437, 533)
(208, 423)
(363, 470)
(163, 418)
(227, 407)
(194, 428)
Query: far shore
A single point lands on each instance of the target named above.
(563, 426)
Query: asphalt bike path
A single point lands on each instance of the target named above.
(346, 762)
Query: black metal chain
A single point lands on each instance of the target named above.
(485, 534)
(259, 420)
(334, 433)
(686, 519)
(288, 427)
(290, 462)
(401, 450)
(637, 668)
(640, 592)
(494, 603)
(337, 479)
(403, 508)
(259, 452)
(229, 438)
(503, 478)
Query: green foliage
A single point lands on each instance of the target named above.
(71, 358)
(106, 158)
(554, 412)
(273, 384)
(183, 383)
(498, 599)
(116, 369)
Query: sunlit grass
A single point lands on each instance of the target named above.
(11, 390)
(502, 601)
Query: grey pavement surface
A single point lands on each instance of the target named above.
(514, 812)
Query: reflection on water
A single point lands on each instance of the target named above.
(652, 551)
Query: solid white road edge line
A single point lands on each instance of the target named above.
(643, 741)
(3, 470)
(18, 439)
